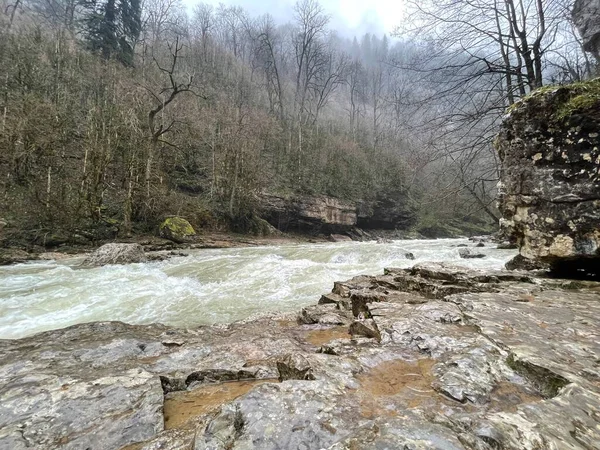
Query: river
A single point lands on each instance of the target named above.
(207, 287)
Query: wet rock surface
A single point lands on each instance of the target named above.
(431, 357)
(116, 254)
(466, 253)
(14, 256)
(550, 177)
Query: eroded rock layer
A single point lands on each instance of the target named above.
(550, 180)
(322, 214)
(431, 357)
(308, 213)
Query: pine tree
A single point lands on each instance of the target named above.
(111, 27)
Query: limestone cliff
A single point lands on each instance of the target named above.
(322, 214)
(550, 178)
(586, 16)
(308, 213)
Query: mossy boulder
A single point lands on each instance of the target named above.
(177, 229)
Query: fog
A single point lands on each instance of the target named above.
(348, 17)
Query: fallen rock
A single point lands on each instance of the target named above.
(14, 256)
(361, 298)
(294, 367)
(325, 315)
(365, 327)
(409, 255)
(116, 254)
(466, 253)
(177, 229)
(520, 262)
(358, 234)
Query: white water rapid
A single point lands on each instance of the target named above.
(209, 286)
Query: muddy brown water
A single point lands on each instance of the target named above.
(397, 383)
(181, 408)
(325, 336)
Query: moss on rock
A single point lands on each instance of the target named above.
(177, 229)
(562, 102)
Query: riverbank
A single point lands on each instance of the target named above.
(153, 245)
(16, 251)
(432, 357)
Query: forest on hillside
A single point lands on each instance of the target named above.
(117, 113)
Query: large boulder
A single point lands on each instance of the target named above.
(177, 229)
(549, 193)
(586, 16)
(14, 256)
(116, 254)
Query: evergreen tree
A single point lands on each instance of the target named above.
(111, 27)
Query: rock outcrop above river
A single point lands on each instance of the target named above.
(308, 213)
(321, 214)
(586, 16)
(550, 180)
(432, 357)
(387, 212)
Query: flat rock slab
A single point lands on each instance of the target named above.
(463, 359)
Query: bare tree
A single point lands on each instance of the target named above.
(478, 58)
(161, 18)
(311, 23)
(329, 74)
(162, 99)
(269, 42)
(204, 22)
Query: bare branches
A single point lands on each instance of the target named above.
(169, 93)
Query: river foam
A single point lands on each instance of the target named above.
(209, 286)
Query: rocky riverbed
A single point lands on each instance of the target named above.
(431, 357)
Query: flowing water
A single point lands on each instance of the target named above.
(209, 286)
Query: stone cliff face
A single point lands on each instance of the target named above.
(549, 145)
(386, 212)
(307, 213)
(586, 16)
(321, 214)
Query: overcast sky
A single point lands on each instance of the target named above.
(349, 17)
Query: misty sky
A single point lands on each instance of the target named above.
(349, 17)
